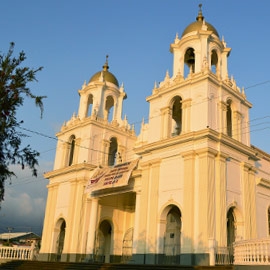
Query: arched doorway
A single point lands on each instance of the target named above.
(60, 240)
(127, 245)
(103, 242)
(230, 232)
(172, 237)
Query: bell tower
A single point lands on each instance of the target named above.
(200, 48)
(98, 126)
(102, 96)
(199, 94)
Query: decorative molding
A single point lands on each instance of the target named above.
(263, 182)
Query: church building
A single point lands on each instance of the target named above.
(187, 186)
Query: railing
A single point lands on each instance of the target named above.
(17, 253)
(252, 252)
(223, 255)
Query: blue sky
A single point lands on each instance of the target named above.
(71, 39)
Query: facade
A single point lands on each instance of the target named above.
(189, 183)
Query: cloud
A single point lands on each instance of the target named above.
(25, 200)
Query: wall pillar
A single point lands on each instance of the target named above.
(186, 108)
(188, 202)
(205, 201)
(221, 191)
(249, 201)
(222, 127)
(90, 245)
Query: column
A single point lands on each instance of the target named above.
(188, 202)
(220, 189)
(249, 202)
(237, 126)
(166, 121)
(186, 107)
(224, 59)
(136, 237)
(142, 200)
(105, 152)
(222, 127)
(49, 221)
(90, 245)
(205, 203)
(152, 209)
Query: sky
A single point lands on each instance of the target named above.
(71, 39)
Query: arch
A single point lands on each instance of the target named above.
(127, 245)
(189, 61)
(71, 149)
(170, 234)
(103, 242)
(90, 102)
(60, 229)
(268, 213)
(176, 116)
(109, 104)
(229, 117)
(112, 155)
(231, 222)
(231, 231)
(214, 62)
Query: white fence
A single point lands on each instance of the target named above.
(252, 252)
(17, 253)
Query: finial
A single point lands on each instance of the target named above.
(200, 16)
(106, 66)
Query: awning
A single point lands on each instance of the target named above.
(112, 177)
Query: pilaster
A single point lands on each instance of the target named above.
(205, 201)
(166, 116)
(188, 202)
(186, 109)
(220, 190)
(249, 201)
(49, 221)
(90, 244)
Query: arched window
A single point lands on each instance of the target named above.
(61, 240)
(108, 115)
(229, 118)
(214, 61)
(230, 232)
(176, 116)
(269, 220)
(172, 241)
(71, 150)
(189, 61)
(89, 105)
(112, 155)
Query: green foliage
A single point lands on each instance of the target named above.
(13, 90)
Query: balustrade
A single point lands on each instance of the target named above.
(252, 252)
(16, 253)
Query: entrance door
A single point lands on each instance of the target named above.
(61, 240)
(103, 242)
(172, 246)
(230, 233)
(127, 246)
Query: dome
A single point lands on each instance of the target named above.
(107, 76)
(196, 26)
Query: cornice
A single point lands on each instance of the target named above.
(195, 136)
(98, 122)
(263, 182)
(70, 169)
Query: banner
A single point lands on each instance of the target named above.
(116, 176)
